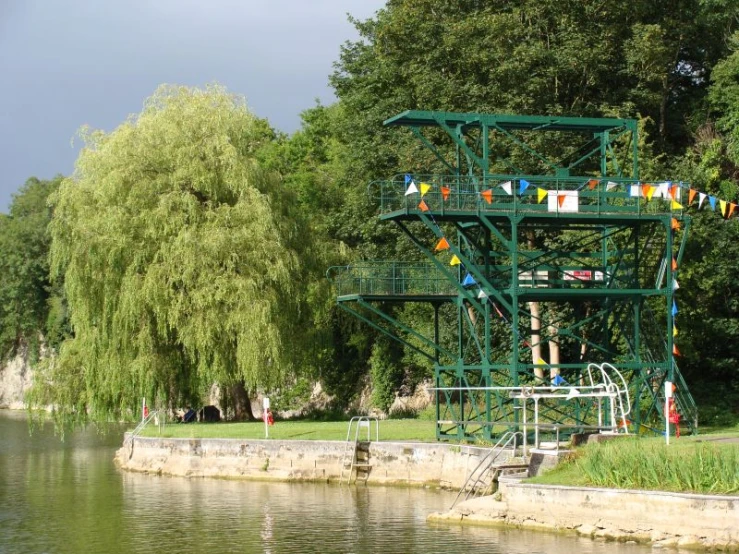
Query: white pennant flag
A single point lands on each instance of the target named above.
(701, 199)
(610, 185)
(482, 294)
(675, 285)
(507, 187)
(411, 188)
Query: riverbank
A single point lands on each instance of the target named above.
(663, 519)
(390, 463)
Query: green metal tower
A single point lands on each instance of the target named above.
(544, 266)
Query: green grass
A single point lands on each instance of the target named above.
(390, 430)
(686, 465)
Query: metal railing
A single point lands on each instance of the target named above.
(391, 278)
(594, 195)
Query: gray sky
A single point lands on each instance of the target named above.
(68, 63)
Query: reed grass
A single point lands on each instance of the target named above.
(689, 466)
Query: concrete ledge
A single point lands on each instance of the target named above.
(664, 519)
(417, 464)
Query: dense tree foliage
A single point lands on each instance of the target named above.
(31, 309)
(182, 259)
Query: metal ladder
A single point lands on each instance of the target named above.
(356, 455)
(155, 415)
(482, 477)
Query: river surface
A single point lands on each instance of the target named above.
(68, 497)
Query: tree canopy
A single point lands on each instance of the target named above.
(181, 258)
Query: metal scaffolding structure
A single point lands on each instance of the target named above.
(575, 256)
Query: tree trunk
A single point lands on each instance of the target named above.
(535, 309)
(240, 403)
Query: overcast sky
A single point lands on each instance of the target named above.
(73, 62)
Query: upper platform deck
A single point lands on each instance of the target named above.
(544, 197)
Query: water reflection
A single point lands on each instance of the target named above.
(68, 497)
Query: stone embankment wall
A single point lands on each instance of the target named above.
(662, 518)
(421, 464)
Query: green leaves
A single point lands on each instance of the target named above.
(181, 259)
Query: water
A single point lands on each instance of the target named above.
(69, 498)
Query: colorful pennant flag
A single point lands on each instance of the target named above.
(423, 206)
(732, 207)
(468, 280)
(645, 191)
(482, 294)
(541, 194)
(445, 192)
(425, 187)
(691, 195)
(561, 199)
(674, 224)
(524, 184)
(487, 195)
(411, 189)
(673, 192)
(408, 178)
(701, 199)
(593, 183)
(455, 260)
(675, 284)
(443, 244)
(650, 192)
(674, 331)
(674, 264)
(712, 202)
(674, 309)
(507, 186)
(610, 185)
(675, 205)
(722, 203)
(675, 351)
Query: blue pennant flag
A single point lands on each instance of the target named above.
(408, 178)
(674, 309)
(558, 381)
(712, 200)
(468, 281)
(523, 187)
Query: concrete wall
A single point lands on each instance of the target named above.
(433, 464)
(662, 518)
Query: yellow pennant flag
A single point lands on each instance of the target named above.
(541, 194)
(722, 203)
(674, 331)
(676, 205)
(455, 260)
(425, 187)
(650, 191)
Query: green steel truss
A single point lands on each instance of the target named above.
(596, 272)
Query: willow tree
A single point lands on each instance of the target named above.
(181, 260)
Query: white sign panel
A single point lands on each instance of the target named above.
(563, 201)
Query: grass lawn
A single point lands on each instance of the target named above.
(390, 430)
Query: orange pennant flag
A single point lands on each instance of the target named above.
(561, 199)
(423, 206)
(732, 207)
(593, 183)
(487, 195)
(673, 192)
(445, 192)
(675, 351)
(443, 244)
(645, 191)
(675, 224)
(691, 195)
(674, 264)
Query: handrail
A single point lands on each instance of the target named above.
(155, 415)
(495, 451)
